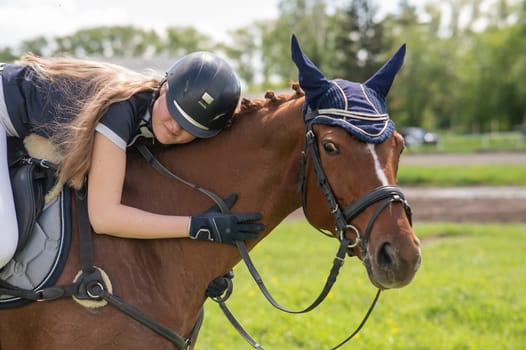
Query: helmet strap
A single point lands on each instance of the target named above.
(156, 93)
(155, 96)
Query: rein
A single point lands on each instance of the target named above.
(90, 285)
(386, 194)
(150, 159)
(337, 263)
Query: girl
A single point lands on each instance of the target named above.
(93, 111)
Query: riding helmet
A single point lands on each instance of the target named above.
(202, 93)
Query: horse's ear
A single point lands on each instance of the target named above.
(382, 80)
(311, 79)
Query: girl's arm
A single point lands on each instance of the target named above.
(106, 212)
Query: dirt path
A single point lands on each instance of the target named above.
(468, 204)
(453, 209)
(463, 204)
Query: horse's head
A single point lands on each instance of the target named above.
(355, 153)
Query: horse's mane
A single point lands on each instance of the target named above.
(270, 99)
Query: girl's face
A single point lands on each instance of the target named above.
(165, 128)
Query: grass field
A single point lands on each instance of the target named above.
(467, 143)
(458, 175)
(468, 294)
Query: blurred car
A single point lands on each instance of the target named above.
(415, 136)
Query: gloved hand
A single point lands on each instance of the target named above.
(215, 226)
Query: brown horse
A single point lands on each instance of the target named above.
(258, 158)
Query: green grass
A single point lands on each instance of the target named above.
(479, 174)
(468, 294)
(470, 143)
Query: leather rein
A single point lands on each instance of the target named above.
(343, 218)
(91, 286)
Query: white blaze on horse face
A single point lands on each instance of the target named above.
(378, 168)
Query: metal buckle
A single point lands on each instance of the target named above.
(309, 135)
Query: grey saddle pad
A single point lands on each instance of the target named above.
(41, 261)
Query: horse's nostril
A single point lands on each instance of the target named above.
(386, 256)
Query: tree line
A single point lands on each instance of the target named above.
(465, 67)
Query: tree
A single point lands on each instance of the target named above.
(38, 46)
(360, 44)
(7, 55)
(123, 41)
(183, 40)
(244, 52)
(411, 95)
(465, 66)
(307, 19)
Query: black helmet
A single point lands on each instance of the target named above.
(203, 92)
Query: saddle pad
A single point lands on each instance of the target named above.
(41, 261)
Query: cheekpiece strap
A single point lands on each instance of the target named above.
(309, 114)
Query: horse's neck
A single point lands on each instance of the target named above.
(257, 158)
(278, 140)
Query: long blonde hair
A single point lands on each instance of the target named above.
(101, 84)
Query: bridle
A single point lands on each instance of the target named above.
(344, 217)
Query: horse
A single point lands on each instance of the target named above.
(257, 157)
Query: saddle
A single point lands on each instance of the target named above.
(31, 179)
(43, 210)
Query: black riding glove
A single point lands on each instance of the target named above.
(215, 226)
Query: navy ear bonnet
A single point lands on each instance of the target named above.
(358, 108)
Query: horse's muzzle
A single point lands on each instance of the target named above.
(390, 265)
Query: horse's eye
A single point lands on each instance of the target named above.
(331, 148)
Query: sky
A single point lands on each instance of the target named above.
(27, 19)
